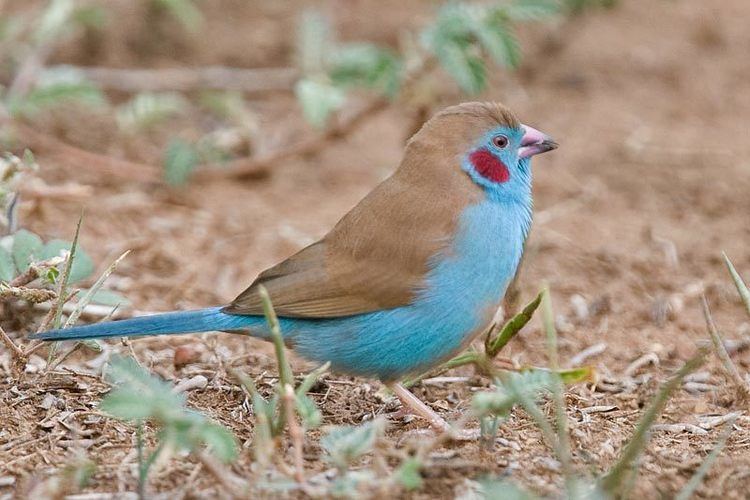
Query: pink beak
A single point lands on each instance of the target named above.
(534, 143)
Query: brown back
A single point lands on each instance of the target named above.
(377, 255)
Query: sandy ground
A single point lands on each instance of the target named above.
(650, 104)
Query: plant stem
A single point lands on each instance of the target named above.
(285, 372)
(721, 351)
(494, 345)
(741, 286)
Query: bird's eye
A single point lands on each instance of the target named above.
(500, 141)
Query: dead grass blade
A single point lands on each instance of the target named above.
(613, 481)
(86, 299)
(687, 492)
(721, 351)
(741, 286)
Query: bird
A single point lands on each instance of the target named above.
(408, 277)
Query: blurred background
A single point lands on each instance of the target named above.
(216, 137)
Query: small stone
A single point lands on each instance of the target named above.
(185, 355)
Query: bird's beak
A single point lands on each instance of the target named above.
(534, 143)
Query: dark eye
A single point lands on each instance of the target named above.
(500, 141)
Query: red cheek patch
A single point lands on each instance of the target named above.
(488, 166)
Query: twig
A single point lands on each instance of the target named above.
(245, 167)
(86, 299)
(73, 156)
(231, 483)
(17, 352)
(35, 270)
(677, 428)
(33, 295)
(52, 311)
(721, 351)
(252, 166)
(295, 432)
(582, 356)
(253, 80)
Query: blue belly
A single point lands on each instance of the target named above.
(463, 290)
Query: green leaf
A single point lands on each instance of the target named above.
(318, 100)
(494, 345)
(514, 387)
(345, 444)
(27, 247)
(532, 10)
(90, 16)
(180, 160)
(408, 474)
(220, 439)
(127, 404)
(83, 265)
(7, 268)
(185, 12)
(576, 375)
(496, 37)
(363, 64)
(468, 70)
(308, 411)
(148, 109)
(54, 94)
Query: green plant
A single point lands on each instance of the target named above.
(281, 410)
(138, 397)
(32, 88)
(523, 389)
(185, 11)
(462, 38)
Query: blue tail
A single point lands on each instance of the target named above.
(201, 320)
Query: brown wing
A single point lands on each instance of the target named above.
(377, 256)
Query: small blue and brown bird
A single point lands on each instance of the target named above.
(410, 275)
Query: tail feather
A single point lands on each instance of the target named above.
(201, 320)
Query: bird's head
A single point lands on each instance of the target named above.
(485, 141)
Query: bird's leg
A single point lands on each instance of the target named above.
(418, 407)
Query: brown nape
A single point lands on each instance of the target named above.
(491, 110)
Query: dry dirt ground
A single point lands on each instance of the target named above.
(650, 103)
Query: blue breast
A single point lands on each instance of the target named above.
(464, 288)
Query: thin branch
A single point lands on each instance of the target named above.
(255, 80)
(73, 156)
(295, 432)
(32, 295)
(12, 347)
(258, 166)
(234, 485)
(247, 167)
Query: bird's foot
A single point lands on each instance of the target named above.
(414, 405)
